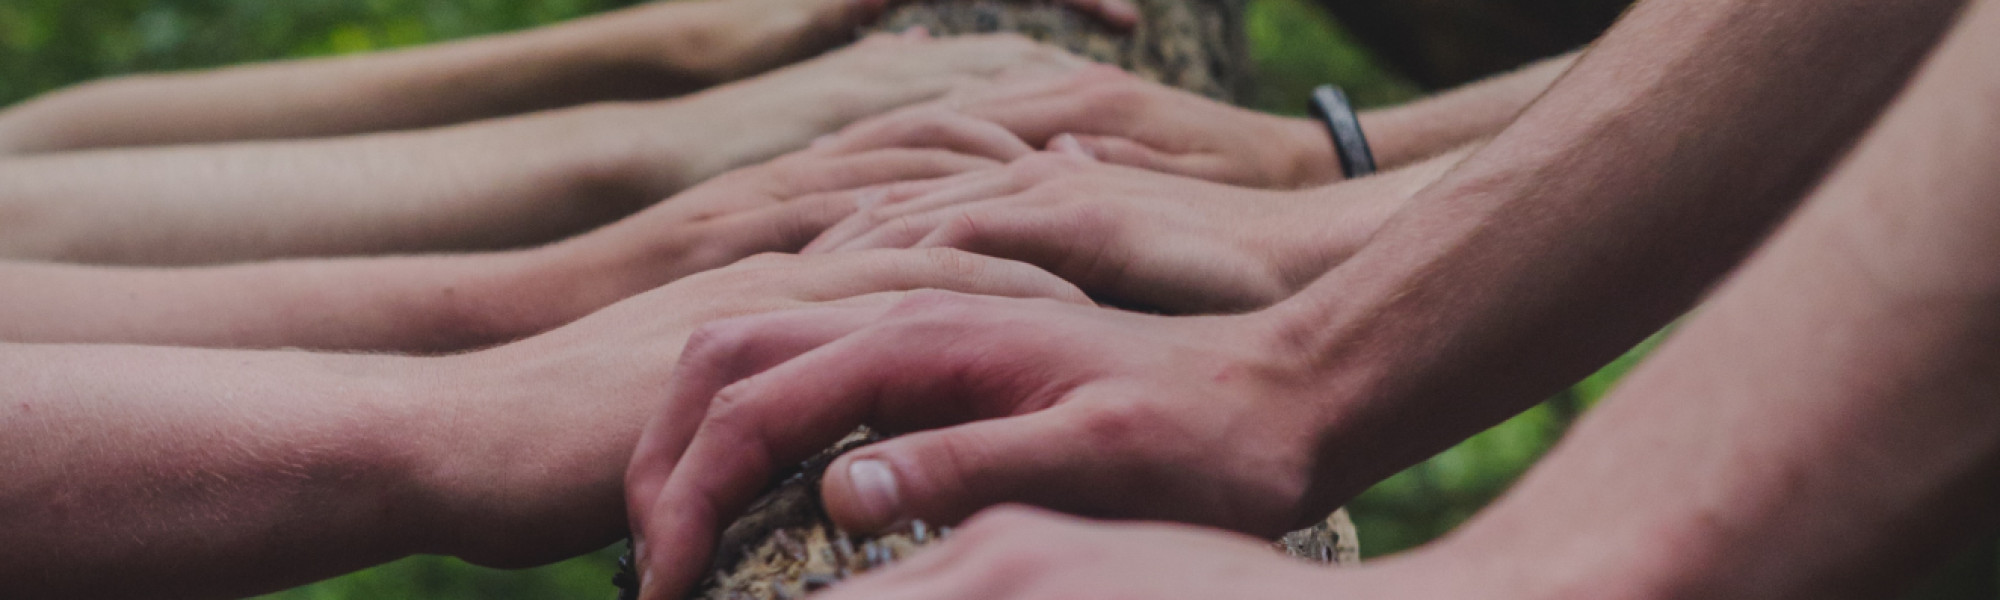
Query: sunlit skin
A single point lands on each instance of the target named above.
(1645, 173)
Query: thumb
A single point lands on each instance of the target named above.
(946, 475)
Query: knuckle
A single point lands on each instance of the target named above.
(729, 410)
(956, 262)
(965, 230)
(716, 343)
(1121, 424)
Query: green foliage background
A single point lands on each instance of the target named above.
(45, 44)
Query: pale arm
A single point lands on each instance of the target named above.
(453, 301)
(491, 184)
(131, 468)
(651, 50)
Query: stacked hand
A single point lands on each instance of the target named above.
(575, 391)
(1131, 236)
(1122, 119)
(1084, 409)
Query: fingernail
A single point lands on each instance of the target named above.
(875, 487)
(824, 140)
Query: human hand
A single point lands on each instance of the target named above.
(755, 119)
(1213, 420)
(1120, 118)
(1133, 237)
(771, 207)
(529, 440)
(1018, 553)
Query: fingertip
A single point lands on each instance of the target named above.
(862, 494)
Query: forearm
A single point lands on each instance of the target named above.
(1601, 214)
(419, 303)
(1826, 426)
(152, 472)
(599, 58)
(490, 185)
(1411, 132)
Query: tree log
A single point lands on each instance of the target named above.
(1196, 45)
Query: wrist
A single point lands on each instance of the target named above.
(508, 475)
(1309, 159)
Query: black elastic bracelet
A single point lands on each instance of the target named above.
(1330, 104)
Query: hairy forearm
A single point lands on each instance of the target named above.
(1602, 213)
(153, 472)
(1826, 426)
(437, 303)
(613, 56)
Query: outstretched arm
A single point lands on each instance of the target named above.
(492, 184)
(446, 302)
(647, 51)
(149, 472)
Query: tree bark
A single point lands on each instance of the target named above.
(1196, 45)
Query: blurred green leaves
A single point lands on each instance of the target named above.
(51, 43)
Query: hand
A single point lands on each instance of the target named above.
(1120, 118)
(1014, 553)
(1132, 237)
(1213, 420)
(529, 440)
(771, 207)
(753, 120)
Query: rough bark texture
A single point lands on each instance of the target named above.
(1191, 44)
(1442, 43)
(785, 547)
